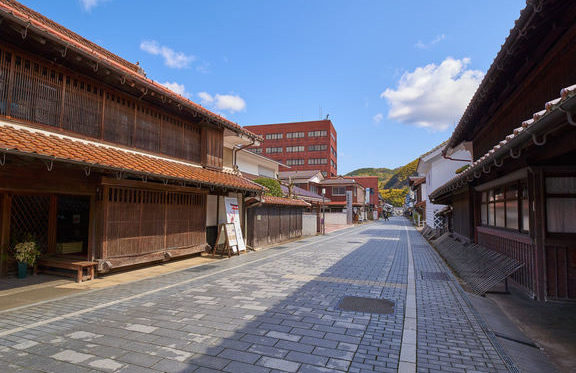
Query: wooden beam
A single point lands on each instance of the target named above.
(150, 186)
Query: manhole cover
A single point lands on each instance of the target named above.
(368, 305)
(439, 276)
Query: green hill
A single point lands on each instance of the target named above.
(384, 174)
(389, 178)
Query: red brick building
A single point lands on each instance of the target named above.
(300, 145)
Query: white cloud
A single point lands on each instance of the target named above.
(88, 5)
(433, 96)
(378, 118)
(422, 45)
(229, 103)
(206, 98)
(177, 88)
(177, 60)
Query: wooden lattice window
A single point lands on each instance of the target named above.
(147, 131)
(191, 143)
(33, 90)
(214, 144)
(5, 63)
(82, 112)
(29, 218)
(118, 119)
(36, 91)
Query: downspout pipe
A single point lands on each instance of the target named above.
(236, 149)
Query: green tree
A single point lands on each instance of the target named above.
(273, 186)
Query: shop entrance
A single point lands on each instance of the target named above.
(73, 217)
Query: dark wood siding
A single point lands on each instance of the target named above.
(139, 221)
(273, 224)
(462, 224)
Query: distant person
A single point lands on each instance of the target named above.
(385, 215)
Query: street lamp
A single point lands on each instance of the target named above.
(323, 212)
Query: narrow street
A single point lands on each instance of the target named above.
(294, 308)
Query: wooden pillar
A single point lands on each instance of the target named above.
(538, 226)
(52, 224)
(5, 208)
(104, 218)
(92, 217)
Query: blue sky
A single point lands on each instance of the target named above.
(393, 76)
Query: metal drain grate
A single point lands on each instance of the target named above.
(367, 305)
(438, 276)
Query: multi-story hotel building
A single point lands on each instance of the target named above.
(300, 145)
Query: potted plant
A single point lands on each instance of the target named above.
(26, 254)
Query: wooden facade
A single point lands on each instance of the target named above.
(274, 220)
(519, 195)
(97, 162)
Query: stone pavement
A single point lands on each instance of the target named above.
(276, 310)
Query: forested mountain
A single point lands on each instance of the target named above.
(393, 184)
(389, 178)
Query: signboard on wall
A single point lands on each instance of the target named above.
(233, 216)
(349, 207)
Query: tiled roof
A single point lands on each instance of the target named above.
(525, 47)
(339, 181)
(271, 200)
(304, 194)
(416, 180)
(103, 56)
(532, 132)
(41, 144)
(304, 174)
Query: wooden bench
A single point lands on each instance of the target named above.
(72, 264)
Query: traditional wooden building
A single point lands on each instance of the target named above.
(97, 161)
(519, 195)
(273, 220)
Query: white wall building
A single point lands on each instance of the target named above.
(438, 170)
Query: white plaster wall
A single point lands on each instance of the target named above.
(439, 171)
(309, 224)
(211, 202)
(335, 218)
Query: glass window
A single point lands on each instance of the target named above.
(484, 209)
(561, 204)
(525, 208)
(317, 134)
(506, 207)
(512, 214)
(561, 185)
(338, 191)
(274, 150)
(294, 135)
(491, 220)
(317, 147)
(560, 213)
(295, 149)
(294, 162)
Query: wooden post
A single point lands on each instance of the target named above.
(104, 216)
(91, 229)
(52, 224)
(538, 205)
(5, 209)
